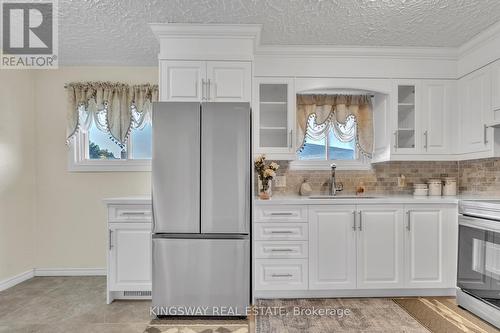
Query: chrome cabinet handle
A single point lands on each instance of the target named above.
(203, 84)
(281, 275)
(485, 134)
(408, 225)
(209, 92)
(354, 220)
(290, 138)
(282, 232)
(281, 250)
(110, 240)
(360, 221)
(133, 213)
(396, 139)
(281, 214)
(426, 135)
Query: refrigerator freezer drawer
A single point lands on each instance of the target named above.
(211, 273)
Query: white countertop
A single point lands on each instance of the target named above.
(134, 200)
(370, 199)
(299, 200)
(400, 199)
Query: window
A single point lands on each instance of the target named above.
(329, 146)
(325, 144)
(96, 150)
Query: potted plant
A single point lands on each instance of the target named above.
(266, 173)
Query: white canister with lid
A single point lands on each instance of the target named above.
(420, 189)
(435, 187)
(450, 186)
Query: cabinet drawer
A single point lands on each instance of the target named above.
(280, 274)
(281, 249)
(280, 231)
(281, 213)
(135, 213)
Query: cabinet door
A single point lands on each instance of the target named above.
(435, 112)
(332, 248)
(380, 247)
(129, 260)
(182, 81)
(274, 117)
(495, 89)
(475, 94)
(430, 247)
(407, 122)
(229, 81)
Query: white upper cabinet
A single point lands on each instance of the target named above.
(475, 111)
(422, 118)
(406, 119)
(332, 247)
(430, 241)
(182, 81)
(229, 81)
(437, 110)
(380, 247)
(495, 92)
(274, 117)
(213, 81)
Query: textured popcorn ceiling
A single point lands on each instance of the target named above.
(116, 32)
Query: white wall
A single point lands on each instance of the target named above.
(71, 218)
(17, 172)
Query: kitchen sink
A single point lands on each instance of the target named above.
(334, 197)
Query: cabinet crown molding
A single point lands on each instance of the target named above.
(232, 42)
(166, 30)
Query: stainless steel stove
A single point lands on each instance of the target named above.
(478, 276)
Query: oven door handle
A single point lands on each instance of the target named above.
(479, 223)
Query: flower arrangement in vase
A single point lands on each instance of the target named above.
(266, 173)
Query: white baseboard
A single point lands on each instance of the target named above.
(12, 281)
(70, 271)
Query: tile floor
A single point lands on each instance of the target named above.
(78, 304)
(68, 304)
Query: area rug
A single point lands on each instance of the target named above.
(197, 326)
(443, 315)
(373, 315)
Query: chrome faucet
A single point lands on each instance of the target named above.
(333, 187)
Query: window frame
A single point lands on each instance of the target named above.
(78, 160)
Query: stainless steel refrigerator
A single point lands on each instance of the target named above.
(201, 182)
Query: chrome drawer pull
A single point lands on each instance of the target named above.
(282, 214)
(282, 232)
(281, 250)
(133, 213)
(281, 275)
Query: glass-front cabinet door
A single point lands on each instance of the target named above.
(406, 124)
(274, 117)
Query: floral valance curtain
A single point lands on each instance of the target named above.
(115, 108)
(349, 116)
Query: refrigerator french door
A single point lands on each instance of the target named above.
(201, 205)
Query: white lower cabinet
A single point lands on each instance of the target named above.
(332, 247)
(129, 260)
(287, 274)
(430, 254)
(380, 247)
(359, 248)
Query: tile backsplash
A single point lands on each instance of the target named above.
(480, 176)
(474, 177)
